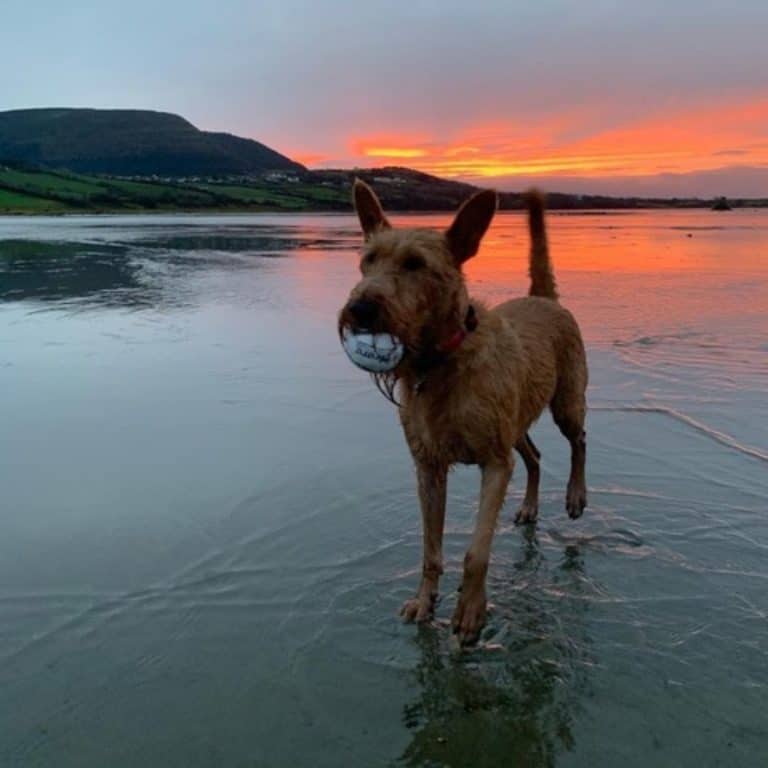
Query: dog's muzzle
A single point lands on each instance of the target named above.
(364, 312)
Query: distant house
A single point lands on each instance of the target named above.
(278, 177)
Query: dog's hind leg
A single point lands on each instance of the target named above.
(469, 616)
(569, 411)
(432, 493)
(529, 509)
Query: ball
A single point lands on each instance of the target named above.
(373, 352)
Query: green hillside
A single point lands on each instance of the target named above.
(16, 202)
(129, 143)
(42, 191)
(29, 190)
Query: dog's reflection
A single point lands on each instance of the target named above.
(512, 706)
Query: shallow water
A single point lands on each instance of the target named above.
(209, 516)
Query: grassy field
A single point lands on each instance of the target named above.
(31, 191)
(255, 195)
(75, 192)
(47, 183)
(400, 189)
(16, 202)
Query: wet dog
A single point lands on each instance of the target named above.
(472, 380)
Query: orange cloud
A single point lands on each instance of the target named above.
(308, 158)
(573, 143)
(462, 150)
(394, 152)
(391, 146)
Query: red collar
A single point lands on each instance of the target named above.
(454, 342)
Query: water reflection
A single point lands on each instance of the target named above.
(63, 271)
(688, 282)
(111, 275)
(270, 241)
(515, 705)
(147, 265)
(142, 447)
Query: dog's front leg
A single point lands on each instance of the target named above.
(469, 616)
(432, 490)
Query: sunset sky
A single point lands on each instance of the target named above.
(661, 98)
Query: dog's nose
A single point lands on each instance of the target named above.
(364, 311)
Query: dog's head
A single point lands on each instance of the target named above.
(412, 285)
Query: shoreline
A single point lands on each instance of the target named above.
(586, 211)
(41, 192)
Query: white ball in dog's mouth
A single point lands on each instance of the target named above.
(373, 352)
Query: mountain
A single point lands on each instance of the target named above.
(129, 143)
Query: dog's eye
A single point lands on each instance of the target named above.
(369, 257)
(412, 263)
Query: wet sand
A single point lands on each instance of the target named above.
(209, 516)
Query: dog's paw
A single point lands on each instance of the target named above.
(420, 608)
(575, 501)
(469, 616)
(528, 513)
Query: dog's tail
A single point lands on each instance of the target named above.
(540, 269)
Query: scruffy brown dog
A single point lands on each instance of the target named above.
(472, 380)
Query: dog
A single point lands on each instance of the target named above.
(472, 380)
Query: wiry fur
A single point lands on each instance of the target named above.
(540, 268)
(473, 404)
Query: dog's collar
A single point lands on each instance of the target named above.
(439, 354)
(455, 341)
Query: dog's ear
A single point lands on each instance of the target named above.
(470, 224)
(369, 210)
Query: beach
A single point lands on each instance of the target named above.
(210, 519)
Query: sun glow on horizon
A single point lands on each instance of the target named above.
(579, 143)
(394, 152)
